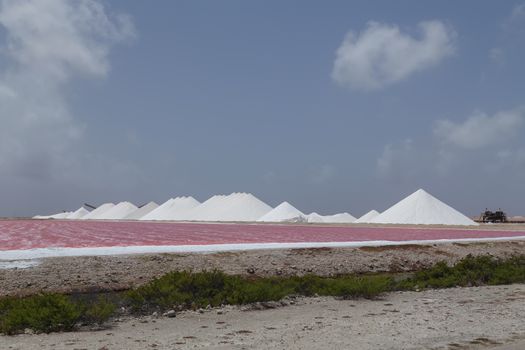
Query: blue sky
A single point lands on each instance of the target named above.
(339, 106)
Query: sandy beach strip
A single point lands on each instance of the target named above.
(458, 318)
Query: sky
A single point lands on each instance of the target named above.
(333, 106)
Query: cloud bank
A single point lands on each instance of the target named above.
(481, 130)
(382, 54)
(45, 45)
(478, 147)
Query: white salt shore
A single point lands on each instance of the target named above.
(28, 254)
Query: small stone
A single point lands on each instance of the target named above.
(170, 313)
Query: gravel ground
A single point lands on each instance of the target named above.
(458, 318)
(99, 273)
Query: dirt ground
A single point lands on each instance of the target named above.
(459, 318)
(100, 273)
(462, 318)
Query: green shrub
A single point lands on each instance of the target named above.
(41, 313)
(194, 290)
(470, 271)
(99, 311)
(186, 290)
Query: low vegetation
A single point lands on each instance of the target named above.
(470, 271)
(49, 312)
(186, 290)
(196, 290)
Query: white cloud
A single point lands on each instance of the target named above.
(391, 155)
(60, 37)
(497, 55)
(382, 54)
(518, 13)
(322, 174)
(514, 24)
(480, 130)
(402, 162)
(474, 150)
(48, 43)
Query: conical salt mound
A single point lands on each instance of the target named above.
(284, 212)
(421, 208)
(367, 217)
(173, 209)
(159, 211)
(206, 209)
(118, 212)
(235, 207)
(181, 208)
(315, 218)
(142, 211)
(98, 211)
(78, 214)
(342, 218)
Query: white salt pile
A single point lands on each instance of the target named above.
(119, 211)
(315, 218)
(366, 218)
(157, 212)
(242, 207)
(235, 207)
(79, 213)
(181, 208)
(284, 212)
(142, 211)
(421, 208)
(42, 217)
(206, 209)
(62, 215)
(93, 215)
(342, 218)
(173, 209)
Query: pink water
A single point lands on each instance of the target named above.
(29, 234)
